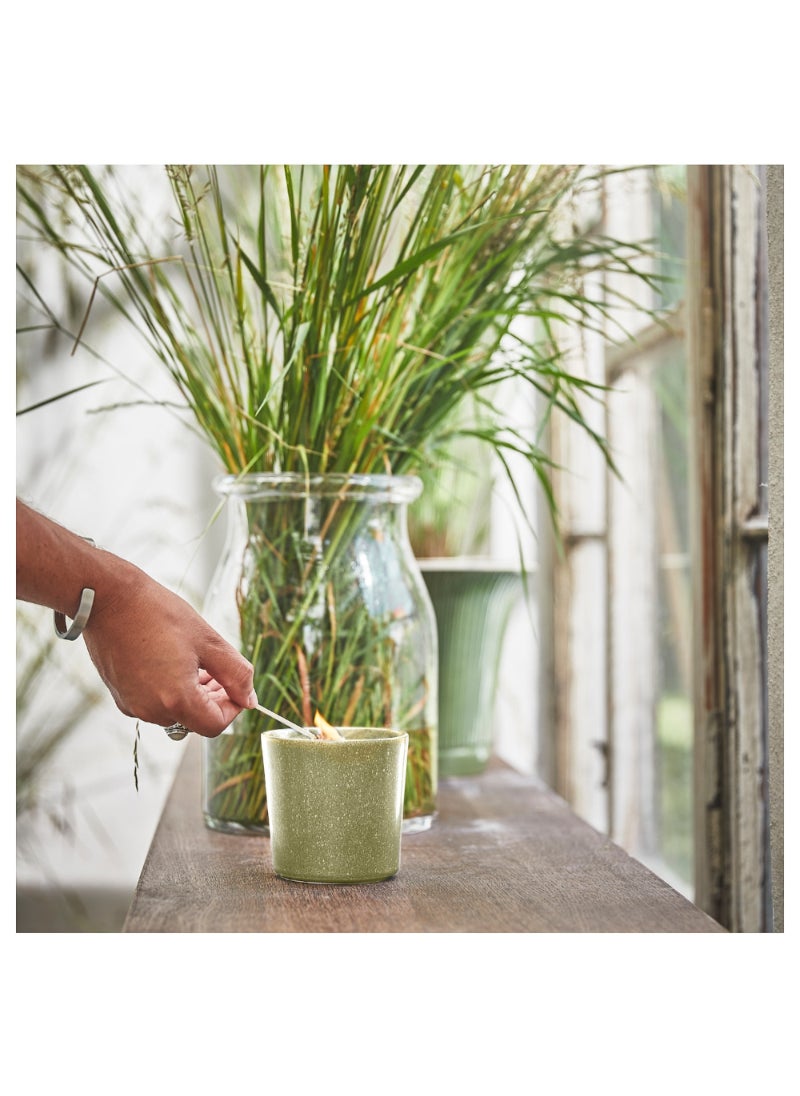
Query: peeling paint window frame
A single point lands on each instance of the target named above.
(601, 757)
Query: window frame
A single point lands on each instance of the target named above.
(724, 318)
(727, 343)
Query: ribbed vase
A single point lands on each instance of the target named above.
(472, 601)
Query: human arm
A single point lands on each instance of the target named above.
(159, 659)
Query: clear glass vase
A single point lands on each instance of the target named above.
(317, 585)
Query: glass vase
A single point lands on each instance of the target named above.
(318, 587)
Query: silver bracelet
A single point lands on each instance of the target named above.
(81, 617)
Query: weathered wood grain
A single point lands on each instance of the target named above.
(504, 855)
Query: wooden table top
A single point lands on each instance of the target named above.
(503, 855)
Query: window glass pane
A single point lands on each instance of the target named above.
(669, 231)
(673, 746)
(650, 610)
(674, 723)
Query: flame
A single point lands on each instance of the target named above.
(325, 729)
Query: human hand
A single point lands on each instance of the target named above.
(161, 661)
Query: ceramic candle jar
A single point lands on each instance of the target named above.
(335, 807)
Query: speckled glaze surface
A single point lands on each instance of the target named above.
(335, 808)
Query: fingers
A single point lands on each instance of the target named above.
(226, 667)
(210, 713)
(210, 708)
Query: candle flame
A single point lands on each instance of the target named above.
(325, 729)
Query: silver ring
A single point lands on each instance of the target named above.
(177, 731)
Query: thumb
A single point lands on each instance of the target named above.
(231, 670)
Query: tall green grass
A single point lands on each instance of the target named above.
(335, 319)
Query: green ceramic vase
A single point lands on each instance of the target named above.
(472, 601)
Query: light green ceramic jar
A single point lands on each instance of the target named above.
(335, 807)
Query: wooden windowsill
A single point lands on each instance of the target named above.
(504, 855)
